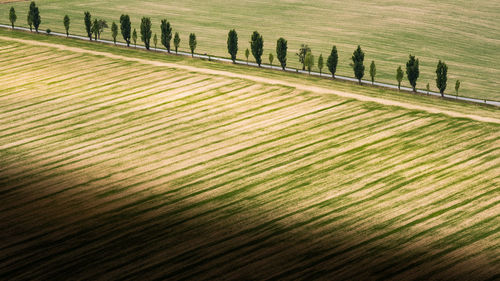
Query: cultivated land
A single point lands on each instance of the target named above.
(464, 35)
(117, 168)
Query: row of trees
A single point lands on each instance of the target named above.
(96, 28)
(34, 19)
(307, 60)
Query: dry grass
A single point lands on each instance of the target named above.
(120, 169)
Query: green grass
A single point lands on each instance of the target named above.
(465, 37)
(175, 174)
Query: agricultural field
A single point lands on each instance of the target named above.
(463, 35)
(118, 168)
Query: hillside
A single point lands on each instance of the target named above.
(125, 164)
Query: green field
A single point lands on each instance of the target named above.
(463, 35)
(119, 169)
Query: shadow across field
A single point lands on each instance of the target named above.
(64, 238)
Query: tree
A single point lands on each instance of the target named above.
(102, 24)
(271, 59)
(95, 28)
(412, 71)
(441, 76)
(309, 61)
(247, 54)
(12, 16)
(320, 63)
(166, 34)
(146, 32)
(358, 56)
(232, 44)
(114, 31)
(457, 86)
(428, 88)
(155, 40)
(332, 61)
(37, 20)
(66, 22)
(48, 31)
(373, 71)
(399, 76)
(304, 49)
(134, 37)
(87, 18)
(125, 28)
(281, 51)
(177, 41)
(257, 46)
(192, 43)
(31, 14)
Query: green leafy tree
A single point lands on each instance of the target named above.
(102, 24)
(146, 32)
(126, 28)
(87, 19)
(281, 51)
(309, 61)
(114, 31)
(271, 58)
(95, 28)
(457, 87)
(166, 34)
(441, 76)
(48, 31)
(399, 76)
(232, 44)
(177, 41)
(37, 20)
(321, 64)
(373, 71)
(304, 49)
(12, 16)
(155, 40)
(412, 71)
(358, 56)
(247, 54)
(134, 37)
(257, 46)
(66, 22)
(332, 61)
(192, 43)
(31, 12)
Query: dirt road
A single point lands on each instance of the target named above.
(262, 80)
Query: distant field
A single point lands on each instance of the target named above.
(464, 35)
(157, 173)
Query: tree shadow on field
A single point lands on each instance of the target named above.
(51, 235)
